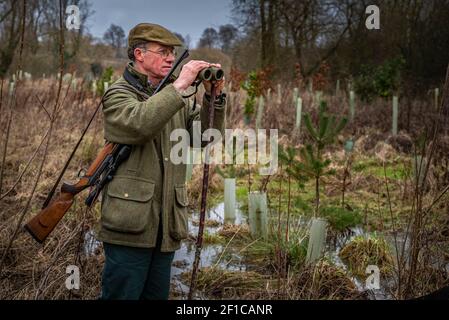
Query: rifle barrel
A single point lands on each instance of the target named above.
(183, 56)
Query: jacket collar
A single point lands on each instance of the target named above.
(141, 78)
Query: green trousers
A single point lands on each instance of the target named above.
(136, 273)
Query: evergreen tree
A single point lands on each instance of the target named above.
(324, 134)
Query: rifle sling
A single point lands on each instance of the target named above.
(50, 195)
(132, 80)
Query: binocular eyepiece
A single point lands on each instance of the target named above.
(211, 74)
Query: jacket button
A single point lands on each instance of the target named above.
(166, 159)
(126, 195)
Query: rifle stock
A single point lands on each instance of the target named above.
(43, 223)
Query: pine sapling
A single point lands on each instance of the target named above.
(322, 135)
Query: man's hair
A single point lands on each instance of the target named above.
(141, 45)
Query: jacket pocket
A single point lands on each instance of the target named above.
(127, 207)
(179, 222)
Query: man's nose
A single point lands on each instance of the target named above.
(170, 58)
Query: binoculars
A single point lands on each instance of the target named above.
(211, 74)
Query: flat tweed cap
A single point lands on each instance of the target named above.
(152, 32)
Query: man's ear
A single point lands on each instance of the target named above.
(138, 54)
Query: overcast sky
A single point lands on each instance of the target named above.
(182, 16)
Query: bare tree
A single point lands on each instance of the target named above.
(268, 28)
(209, 38)
(260, 15)
(11, 15)
(115, 37)
(316, 26)
(50, 24)
(228, 34)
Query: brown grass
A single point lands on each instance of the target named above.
(38, 271)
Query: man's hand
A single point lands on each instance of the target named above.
(189, 73)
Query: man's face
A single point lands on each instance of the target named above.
(156, 59)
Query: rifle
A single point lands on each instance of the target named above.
(100, 172)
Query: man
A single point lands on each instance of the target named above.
(144, 208)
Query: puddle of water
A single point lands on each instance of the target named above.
(183, 261)
(210, 253)
(217, 214)
(184, 257)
